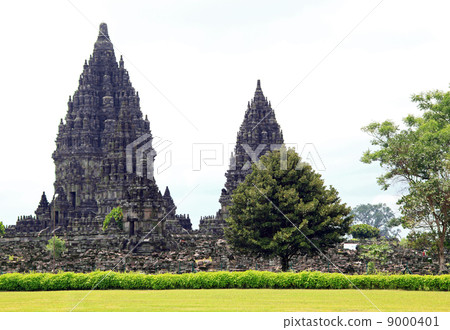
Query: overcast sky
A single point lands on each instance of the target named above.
(195, 65)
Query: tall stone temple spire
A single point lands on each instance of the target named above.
(103, 117)
(258, 134)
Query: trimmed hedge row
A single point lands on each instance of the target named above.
(218, 280)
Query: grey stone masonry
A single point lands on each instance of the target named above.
(183, 253)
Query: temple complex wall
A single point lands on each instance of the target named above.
(185, 253)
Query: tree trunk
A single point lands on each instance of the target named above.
(442, 266)
(284, 263)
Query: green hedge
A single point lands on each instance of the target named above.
(218, 280)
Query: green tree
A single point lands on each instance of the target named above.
(2, 229)
(56, 246)
(425, 241)
(418, 157)
(378, 252)
(116, 214)
(376, 215)
(279, 203)
(364, 230)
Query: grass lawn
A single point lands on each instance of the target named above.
(227, 300)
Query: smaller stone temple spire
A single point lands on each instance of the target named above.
(259, 129)
(43, 210)
(43, 202)
(121, 65)
(169, 204)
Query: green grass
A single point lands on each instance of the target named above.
(227, 300)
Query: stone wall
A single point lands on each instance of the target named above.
(182, 253)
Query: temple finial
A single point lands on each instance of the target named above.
(103, 42)
(167, 192)
(103, 30)
(259, 96)
(121, 62)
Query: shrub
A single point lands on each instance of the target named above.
(218, 280)
(375, 252)
(56, 246)
(116, 214)
(2, 229)
(404, 243)
(364, 231)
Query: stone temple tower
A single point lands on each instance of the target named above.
(103, 117)
(95, 167)
(258, 134)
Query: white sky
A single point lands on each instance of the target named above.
(205, 57)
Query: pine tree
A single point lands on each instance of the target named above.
(283, 209)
